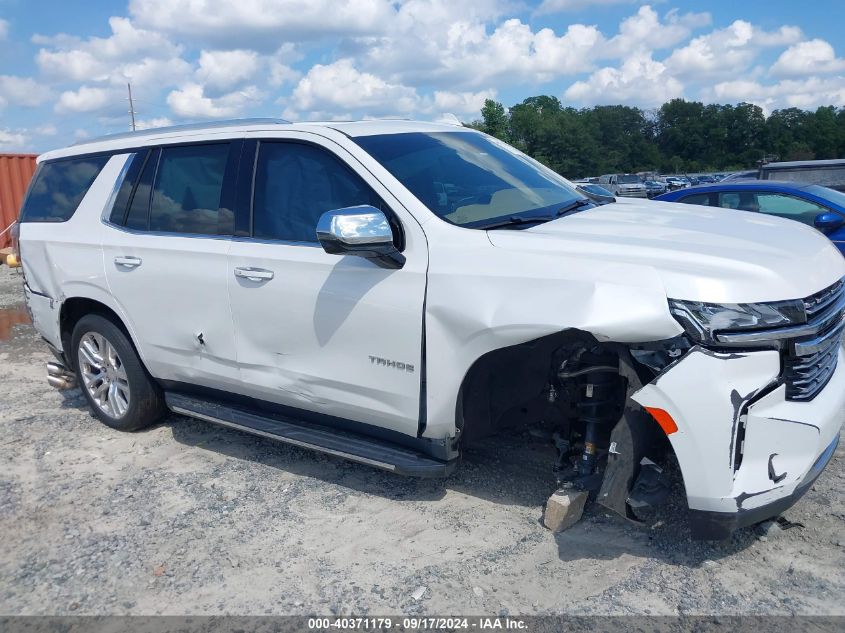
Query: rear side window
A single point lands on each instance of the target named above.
(59, 186)
(127, 187)
(188, 190)
(700, 198)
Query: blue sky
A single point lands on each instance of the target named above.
(64, 65)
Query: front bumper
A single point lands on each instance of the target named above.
(746, 453)
(717, 526)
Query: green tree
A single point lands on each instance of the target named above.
(494, 119)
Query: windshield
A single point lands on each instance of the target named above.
(833, 195)
(469, 179)
(628, 180)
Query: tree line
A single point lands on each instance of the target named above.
(679, 137)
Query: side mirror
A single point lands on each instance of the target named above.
(363, 231)
(826, 222)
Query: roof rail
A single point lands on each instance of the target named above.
(187, 127)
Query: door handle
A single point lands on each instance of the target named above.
(254, 274)
(128, 262)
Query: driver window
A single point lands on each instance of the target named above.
(789, 207)
(742, 200)
(295, 184)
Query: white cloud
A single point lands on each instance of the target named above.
(12, 140)
(464, 54)
(728, 51)
(47, 130)
(262, 23)
(810, 57)
(639, 81)
(4, 29)
(223, 70)
(190, 101)
(644, 31)
(559, 6)
(461, 102)
(146, 124)
(87, 99)
(339, 87)
(96, 58)
(22, 91)
(790, 93)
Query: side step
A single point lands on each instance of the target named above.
(351, 446)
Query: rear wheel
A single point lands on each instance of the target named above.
(114, 382)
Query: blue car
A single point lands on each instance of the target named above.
(816, 206)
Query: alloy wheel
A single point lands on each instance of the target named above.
(103, 374)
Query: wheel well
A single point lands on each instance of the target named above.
(506, 387)
(75, 308)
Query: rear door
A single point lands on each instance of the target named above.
(331, 334)
(165, 254)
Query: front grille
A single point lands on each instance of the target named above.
(806, 375)
(821, 301)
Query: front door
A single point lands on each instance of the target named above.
(332, 334)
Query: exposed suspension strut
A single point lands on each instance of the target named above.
(597, 391)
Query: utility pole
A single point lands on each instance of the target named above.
(131, 106)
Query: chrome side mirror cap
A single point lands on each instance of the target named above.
(363, 231)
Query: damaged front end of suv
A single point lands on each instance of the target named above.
(749, 400)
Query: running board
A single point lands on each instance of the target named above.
(351, 446)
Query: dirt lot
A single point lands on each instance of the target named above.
(188, 518)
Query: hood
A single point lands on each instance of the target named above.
(700, 253)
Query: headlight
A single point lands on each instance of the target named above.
(703, 320)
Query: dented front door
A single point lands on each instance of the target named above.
(332, 334)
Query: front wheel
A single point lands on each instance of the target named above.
(114, 382)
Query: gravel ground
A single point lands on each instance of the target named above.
(189, 518)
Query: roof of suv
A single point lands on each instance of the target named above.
(196, 131)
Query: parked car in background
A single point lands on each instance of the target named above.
(654, 188)
(827, 173)
(674, 182)
(750, 174)
(596, 190)
(624, 185)
(705, 179)
(813, 205)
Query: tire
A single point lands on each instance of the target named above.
(112, 378)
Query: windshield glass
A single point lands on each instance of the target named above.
(469, 179)
(628, 180)
(836, 197)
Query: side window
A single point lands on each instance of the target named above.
(59, 186)
(789, 207)
(188, 189)
(729, 200)
(295, 184)
(699, 198)
(138, 213)
(127, 187)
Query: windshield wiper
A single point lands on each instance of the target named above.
(518, 220)
(572, 206)
(513, 221)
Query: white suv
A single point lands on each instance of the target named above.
(388, 291)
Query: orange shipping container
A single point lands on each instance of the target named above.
(15, 173)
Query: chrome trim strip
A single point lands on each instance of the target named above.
(813, 346)
(797, 331)
(286, 440)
